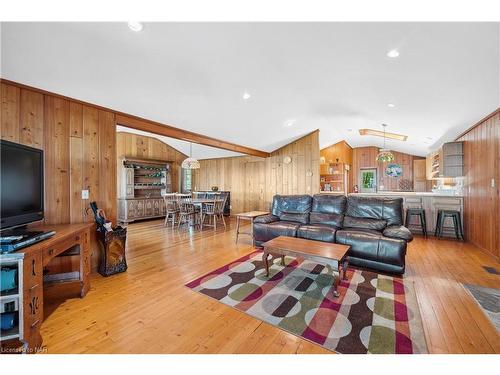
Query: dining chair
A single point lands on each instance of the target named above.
(214, 211)
(188, 211)
(172, 208)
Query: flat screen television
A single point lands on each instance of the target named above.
(21, 184)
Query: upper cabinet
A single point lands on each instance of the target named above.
(447, 162)
(453, 159)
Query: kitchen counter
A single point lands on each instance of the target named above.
(407, 193)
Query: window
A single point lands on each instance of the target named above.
(186, 180)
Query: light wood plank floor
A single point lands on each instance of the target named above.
(148, 309)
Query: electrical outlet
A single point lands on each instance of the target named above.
(85, 194)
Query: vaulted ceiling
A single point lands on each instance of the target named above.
(335, 77)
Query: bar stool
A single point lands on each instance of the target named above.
(420, 212)
(457, 223)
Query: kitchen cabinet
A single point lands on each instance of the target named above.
(447, 162)
(452, 160)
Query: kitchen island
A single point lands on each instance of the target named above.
(430, 202)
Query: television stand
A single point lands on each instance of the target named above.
(30, 284)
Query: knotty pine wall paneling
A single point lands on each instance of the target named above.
(90, 131)
(31, 119)
(57, 164)
(11, 97)
(79, 144)
(481, 199)
(253, 181)
(107, 164)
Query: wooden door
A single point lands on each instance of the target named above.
(419, 175)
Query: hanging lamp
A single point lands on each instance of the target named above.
(190, 162)
(384, 155)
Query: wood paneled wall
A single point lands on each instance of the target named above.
(79, 144)
(481, 199)
(342, 151)
(364, 157)
(254, 181)
(139, 146)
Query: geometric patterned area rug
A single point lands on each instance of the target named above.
(489, 301)
(374, 313)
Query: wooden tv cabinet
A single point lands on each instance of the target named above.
(71, 239)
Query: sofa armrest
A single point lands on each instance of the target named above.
(399, 232)
(266, 219)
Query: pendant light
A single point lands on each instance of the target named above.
(384, 155)
(190, 162)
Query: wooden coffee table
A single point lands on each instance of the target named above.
(332, 254)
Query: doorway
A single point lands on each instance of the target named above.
(368, 180)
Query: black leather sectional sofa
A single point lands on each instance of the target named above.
(372, 226)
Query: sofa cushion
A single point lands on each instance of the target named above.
(297, 217)
(389, 209)
(266, 219)
(372, 232)
(329, 203)
(398, 231)
(291, 203)
(318, 232)
(372, 245)
(324, 218)
(367, 223)
(328, 209)
(265, 232)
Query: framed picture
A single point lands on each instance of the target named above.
(393, 170)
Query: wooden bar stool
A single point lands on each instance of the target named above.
(420, 212)
(457, 223)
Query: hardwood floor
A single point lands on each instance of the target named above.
(148, 309)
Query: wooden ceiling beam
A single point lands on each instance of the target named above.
(139, 123)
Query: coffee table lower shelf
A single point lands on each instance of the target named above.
(334, 255)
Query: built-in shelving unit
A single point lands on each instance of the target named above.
(447, 162)
(332, 178)
(142, 182)
(453, 159)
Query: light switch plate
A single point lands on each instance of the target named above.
(85, 194)
(492, 182)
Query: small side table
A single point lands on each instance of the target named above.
(251, 215)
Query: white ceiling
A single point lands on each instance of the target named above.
(331, 76)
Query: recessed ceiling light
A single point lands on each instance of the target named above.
(393, 53)
(135, 26)
(246, 95)
(289, 123)
(391, 105)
